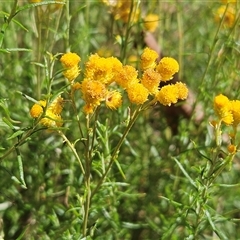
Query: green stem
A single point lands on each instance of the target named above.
(116, 151)
(127, 34)
(87, 179)
(71, 146)
(181, 43)
(20, 142)
(7, 22)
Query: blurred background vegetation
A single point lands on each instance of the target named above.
(154, 201)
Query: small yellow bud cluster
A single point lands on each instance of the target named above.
(70, 62)
(99, 75)
(51, 117)
(154, 73)
(228, 111)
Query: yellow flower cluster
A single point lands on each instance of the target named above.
(102, 78)
(151, 22)
(227, 13)
(123, 9)
(51, 117)
(70, 62)
(154, 73)
(102, 73)
(228, 111)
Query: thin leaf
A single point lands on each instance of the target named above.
(120, 169)
(18, 50)
(15, 134)
(219, 233)
(184, 172)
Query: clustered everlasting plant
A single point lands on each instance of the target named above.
(83, 151)
(104, 80)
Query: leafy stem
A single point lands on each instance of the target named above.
(114, 155)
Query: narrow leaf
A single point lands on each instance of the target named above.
(185, 173)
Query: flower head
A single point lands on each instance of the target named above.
(235, 109)
(113, 99)
(126, 76)
(51, 116)
(167, 67)
(222, 107)
(56, 106)
(148, 58)
(51, 119)
(70, 60)
(137, 93)
(182, 90)
(102, 69)
(88, 108)
(93, 91)
(151, 22)
(71, 73)
(37, 109)
(232, 149)
(167, 95)
(150, 80)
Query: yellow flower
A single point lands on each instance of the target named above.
(222, 107)
(52, 116)
(148, 58)
(102, 69)
(235, 109)
(125, 76)
(70, 60)
(137, 93)
(113, 99)
(56, 106)
(71, 73)
(182, 90)
(93, 91)
(167, 95)
(51, 119)
(37, 109)
(76, 86)
(232, 149)
(167, 67)
(227, 13)
(151, 22)
(88, 108)
(150, 80)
